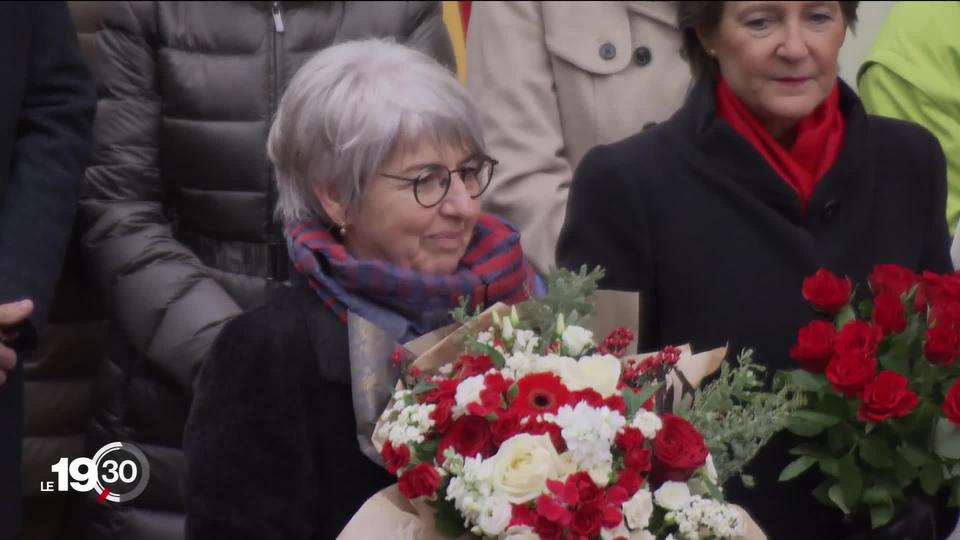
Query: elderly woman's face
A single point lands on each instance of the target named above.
(780, 58)
(390, 225)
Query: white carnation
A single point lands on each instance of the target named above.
(468, 391)
(647, 422)
(495, 515)
(576, 339)
(672, 495)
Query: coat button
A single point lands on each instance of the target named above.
(648, 125)
(829, 211)
(608, 51)
(642, 56)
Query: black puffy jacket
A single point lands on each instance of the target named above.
(177, 207)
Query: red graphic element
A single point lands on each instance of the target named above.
(103, 495)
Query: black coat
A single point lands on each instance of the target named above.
(271, 444)
(46, 110)
(692, 215)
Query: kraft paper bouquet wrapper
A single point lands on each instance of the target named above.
(375, 378)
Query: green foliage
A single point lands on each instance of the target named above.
(568, 294)
(737, 416)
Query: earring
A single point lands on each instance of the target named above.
(343, 230)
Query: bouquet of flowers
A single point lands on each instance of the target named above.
(880, 382)
(538, 431)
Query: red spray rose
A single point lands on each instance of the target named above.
(886, 396)
(507, 425)
(850, 372)
(638, 459)
(951, 404)
(827, 292)
(442, 415)
(419, 481)
(889, 314)
(941, 345)
(678, 450)
(858, 337)
(468, 435)
(395, 457)
(587, 521)
(629, 439)
(814, 346)
(629, 481)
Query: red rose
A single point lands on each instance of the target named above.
(886, 396)
(951, 404)
(891, 278)
(850, 372)
(442, 415)
(546, 529)
(942, 287)
(468, 435)
(678, 450)
(587, 521)
(629, 439)
(420, 481)
(507, 425)
(941, 345)
(888, 313)
(945, 312)
(395, 457)
(630, 481)
(814, 346)
(539, 393)
(827, 292)
(858, 337)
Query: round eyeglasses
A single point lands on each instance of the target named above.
(431, 186)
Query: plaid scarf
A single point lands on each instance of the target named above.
(404, 303)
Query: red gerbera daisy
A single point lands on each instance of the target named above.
(538, 394)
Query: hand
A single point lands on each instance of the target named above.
(11, 315)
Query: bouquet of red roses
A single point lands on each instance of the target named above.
(881, 388)
(537, 432)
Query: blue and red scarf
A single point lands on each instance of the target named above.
(404, 303)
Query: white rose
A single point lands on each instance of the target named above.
(520, 533)
(642, 534)
(638, 509)
(522, 466)
(495, 515)
(648, 423)
(672, 495)
(468, 391)
(576, 339)
(599, 372)
(551, 363)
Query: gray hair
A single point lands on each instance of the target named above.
(349, 108)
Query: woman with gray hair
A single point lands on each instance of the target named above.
(380, 163)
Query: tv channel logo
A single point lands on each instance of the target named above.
(118, 472)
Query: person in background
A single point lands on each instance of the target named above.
(380, 165)
(554, 79)
(177, 209)
(47, 104)
(913, 73)
(769, 171)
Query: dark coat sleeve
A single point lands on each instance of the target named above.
(51, 149)
(250, 456)
(160, 293)
(428, 33)
(936, 254)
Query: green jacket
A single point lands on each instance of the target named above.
(913, 73)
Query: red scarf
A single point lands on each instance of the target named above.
(815, 149)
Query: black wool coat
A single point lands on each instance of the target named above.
(47, 102)
(271, 443)
(692, 215)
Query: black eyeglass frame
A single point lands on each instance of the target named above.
(416, 181)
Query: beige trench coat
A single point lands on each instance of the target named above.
(554, 79)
